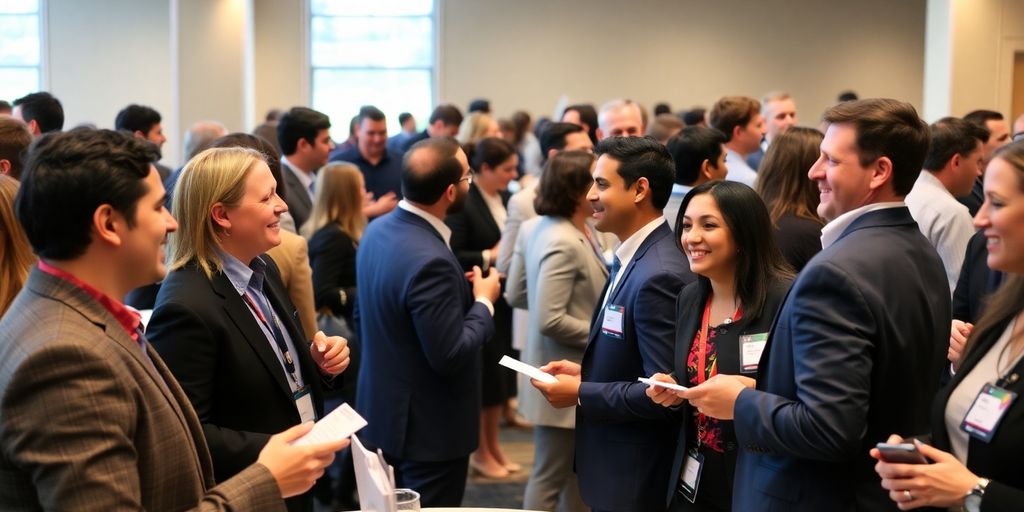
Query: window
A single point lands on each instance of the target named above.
(377, 53)
(19, 48)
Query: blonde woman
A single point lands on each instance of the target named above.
(476, 127)
(223, 321)
(334, 228)
(16, 256)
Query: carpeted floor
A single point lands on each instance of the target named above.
(506, 493)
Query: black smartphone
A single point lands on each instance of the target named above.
(901, 453)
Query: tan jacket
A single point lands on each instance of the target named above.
(87, 422)
(292, 258)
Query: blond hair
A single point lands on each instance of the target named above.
(338, 200)
(217, 175)
(474, 128)
(16, 256)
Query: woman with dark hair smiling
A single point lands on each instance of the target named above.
(977, 418)
(791, 197)
(722, 323)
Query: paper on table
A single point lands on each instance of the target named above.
(525, 369)
(668, 385)
(373, 480)
(339, 424)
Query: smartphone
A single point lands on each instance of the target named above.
(901, 453)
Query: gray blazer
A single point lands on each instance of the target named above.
(558, 277)
(87, 422)
(297, 198)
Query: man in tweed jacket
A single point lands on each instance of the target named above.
(90, 417)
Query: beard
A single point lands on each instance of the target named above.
(460, 200)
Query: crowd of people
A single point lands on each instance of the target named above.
(826, 317)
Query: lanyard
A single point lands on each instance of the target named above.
(702, 343)
(275, 332)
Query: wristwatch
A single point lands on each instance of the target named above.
(972, 502)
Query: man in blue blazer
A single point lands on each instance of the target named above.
(422, 328)
(623, 439)
(856, 349)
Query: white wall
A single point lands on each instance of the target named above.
(527, 53)
(105, 55)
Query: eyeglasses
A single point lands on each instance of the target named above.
(467, 178)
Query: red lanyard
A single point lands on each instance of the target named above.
(702, 343)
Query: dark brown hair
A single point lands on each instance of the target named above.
(886, 128)
(782, 180)
(564, 180)
(732, 111)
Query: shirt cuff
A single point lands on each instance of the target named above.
(486, 255)
(486, 302)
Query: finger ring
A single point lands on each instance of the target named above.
(909, 496)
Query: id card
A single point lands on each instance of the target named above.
(751, 348)
(689, 478)
(987, 411)
(612, 324)
(304, 403)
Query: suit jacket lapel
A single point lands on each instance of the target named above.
(240, 314)
(295, 186)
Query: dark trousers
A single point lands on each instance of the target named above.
(440, 484)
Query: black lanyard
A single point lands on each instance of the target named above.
(275, 331)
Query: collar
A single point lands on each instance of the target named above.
(627, 249)
(680, 190)
(128, 318)
(438, 224)
(305, 178)
(928, 179)
(240, 274)
(833, 230)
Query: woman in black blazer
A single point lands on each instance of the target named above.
(722, 323)
(223, 321)
(476, 232)
(791, 198)
(977, 466)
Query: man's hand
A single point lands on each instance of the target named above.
(563, 367)
(561, 394)
(377, 207)
(716, 397)
(297, 468)
(330, 353)
(489, 287)
(958, 334)
(664, 396)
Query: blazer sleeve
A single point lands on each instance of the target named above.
(826, 420)
(450, 336)
(1002, 498)
(184, 341)
(515, 285)
(556, 279)
(653, 315)
(510, 235)
(300, 288)
(460, 240)
(89, 461)
(333, 259)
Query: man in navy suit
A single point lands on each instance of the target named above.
(422, 327)
(857, 348)
(621, 437)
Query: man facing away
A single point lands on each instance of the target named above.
(422, 328)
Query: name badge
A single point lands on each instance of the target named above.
(987, 411)
(751, 348)
(689, 478)
(304, 403)
(612, 324)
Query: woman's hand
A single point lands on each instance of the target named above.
(944, 483)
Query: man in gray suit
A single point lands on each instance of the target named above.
(305, 139)
(90, 417)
